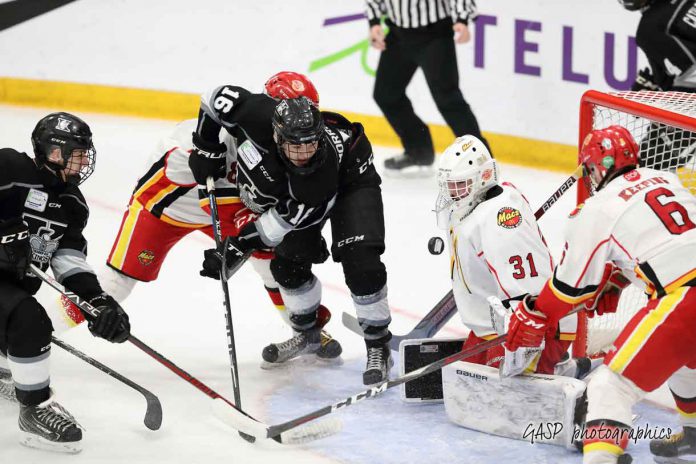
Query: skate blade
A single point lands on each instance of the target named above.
(337, 361)
(675, 460)
(31, 440)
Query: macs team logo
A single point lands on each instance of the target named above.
(146, 257)
(509, 218)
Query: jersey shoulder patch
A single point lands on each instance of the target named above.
(509, 217)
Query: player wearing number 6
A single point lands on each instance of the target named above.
(638, 223)
(496, 249)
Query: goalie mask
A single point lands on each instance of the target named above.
(606, 154)
(298, 129)
(466, 171)
(288, 84)
(63, 143)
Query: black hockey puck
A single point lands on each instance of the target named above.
(436, 245)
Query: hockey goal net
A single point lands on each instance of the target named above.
(664, 125)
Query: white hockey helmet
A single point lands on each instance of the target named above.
(466, 170)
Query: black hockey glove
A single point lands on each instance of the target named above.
(15, 251)
(207, 159)
(644, 81)
(112, 322)
(235, 251)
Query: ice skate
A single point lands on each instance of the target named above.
(300, 344)
(679, 448)
(408, 166)
(379, 361)
(50, 427)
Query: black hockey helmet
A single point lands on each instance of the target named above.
(68, 133)
(298, 127)
(634, 5)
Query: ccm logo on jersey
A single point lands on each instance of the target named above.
(472, 375)
(12, 237)
(509, 218)
(349, 240)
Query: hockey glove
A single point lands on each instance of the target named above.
(112, 323)
(644, 81)
(15, 251)
(207, 159)
(235, 251)
(607, 298)
(527, 325)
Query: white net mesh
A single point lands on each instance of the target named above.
(665, 129)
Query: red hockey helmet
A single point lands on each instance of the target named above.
(605, 153)
(288, 84)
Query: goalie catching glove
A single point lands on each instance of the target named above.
(234, 252)
(607, 298)
(527, 326)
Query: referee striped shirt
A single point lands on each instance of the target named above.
(419, 13)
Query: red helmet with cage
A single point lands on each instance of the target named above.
(288, 84)
(606, 153)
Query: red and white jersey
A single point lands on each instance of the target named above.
(168, 189)
(498, 250)
(643, 223)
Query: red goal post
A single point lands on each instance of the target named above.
(664, 125)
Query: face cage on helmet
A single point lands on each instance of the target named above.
(454, 196)
(84, 170)
(315, 161)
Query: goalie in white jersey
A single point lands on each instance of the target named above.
(496, 249)
(639, 223)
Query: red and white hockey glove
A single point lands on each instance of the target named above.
(527, 325)
(607, 298)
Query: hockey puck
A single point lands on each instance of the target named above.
(436, 245)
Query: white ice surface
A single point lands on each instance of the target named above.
(181, 315)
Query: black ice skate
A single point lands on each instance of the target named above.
(409, 166)
(7, 388)
(379, 361)
(679, 448)
(49, 426)
(302, 343)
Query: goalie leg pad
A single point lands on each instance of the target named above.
(535, 407)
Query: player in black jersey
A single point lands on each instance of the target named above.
(298, 167)
(667, 35)
(42, 218)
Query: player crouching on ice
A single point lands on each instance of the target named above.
(42, 218)
(497, 257)
(638, 222)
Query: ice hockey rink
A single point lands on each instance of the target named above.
(181, 315)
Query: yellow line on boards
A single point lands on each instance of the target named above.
(178, 106)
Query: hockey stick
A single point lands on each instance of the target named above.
(153, 413)
(446, 307)
(300, 435)
(431, 323)
(231, 347)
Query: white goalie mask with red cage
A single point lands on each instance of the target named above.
(466, 170)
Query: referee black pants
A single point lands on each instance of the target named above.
(432, 49)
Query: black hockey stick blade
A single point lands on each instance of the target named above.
(431, 323)
(153, 413)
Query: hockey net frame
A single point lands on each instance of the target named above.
(652, 118)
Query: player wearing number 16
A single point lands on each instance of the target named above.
(638, 222)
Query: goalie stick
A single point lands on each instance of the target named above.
(446, 307)
(296, 436)
(153, 413)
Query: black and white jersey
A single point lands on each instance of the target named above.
(55, 212)
(285, 200)
(420, 13)
(667, 35)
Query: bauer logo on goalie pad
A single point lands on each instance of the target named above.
(509, 218)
